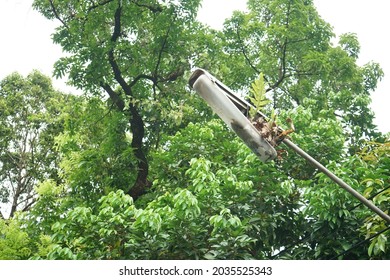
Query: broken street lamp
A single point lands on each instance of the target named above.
(234, 111)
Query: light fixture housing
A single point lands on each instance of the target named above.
(232, 110)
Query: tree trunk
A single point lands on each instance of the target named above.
(138, 130)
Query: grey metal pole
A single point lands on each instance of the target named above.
(337, 180)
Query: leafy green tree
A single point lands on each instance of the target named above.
(14, 242)
(291, 45)
(96, 153)
(136, 52)
(375, 156)
(217, 205)
(175, 223)
(30, 117)
(149, 173)
(94, 158)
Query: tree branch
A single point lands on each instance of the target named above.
(174, 75)
(243, 50)
(142, 76)
(282, 66)
(115, 98)
(94, 6)
(28, 205)
(138, 131)
(117, 23)
(162, 48)
(53, 8)
(154, 9)
(14, 202)
(136, 123)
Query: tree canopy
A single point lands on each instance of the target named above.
(138, 167)
(31, 115)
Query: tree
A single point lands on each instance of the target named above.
(150, 173)
(96, 153)
(291, 44)
(30, 118)
(217, 205)
(135, 51)
(14, 242)
(375, 155)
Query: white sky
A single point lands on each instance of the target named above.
(26, 42)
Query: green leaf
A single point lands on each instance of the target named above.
(258, 97)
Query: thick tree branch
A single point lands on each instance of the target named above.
(14, 202)
(111, 57)
(138, 131)
(137, 126)
(115, 98)
(142, 76)
(117, 23)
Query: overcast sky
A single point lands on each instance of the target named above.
(26, 44)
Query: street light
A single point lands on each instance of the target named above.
(234, 111)
(231, 109)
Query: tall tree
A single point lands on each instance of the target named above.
(291, 44)
(135, 51)
(211, 198)
(95, 151)
(30, 117)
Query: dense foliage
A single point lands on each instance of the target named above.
(139, 168)
(31, 115)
